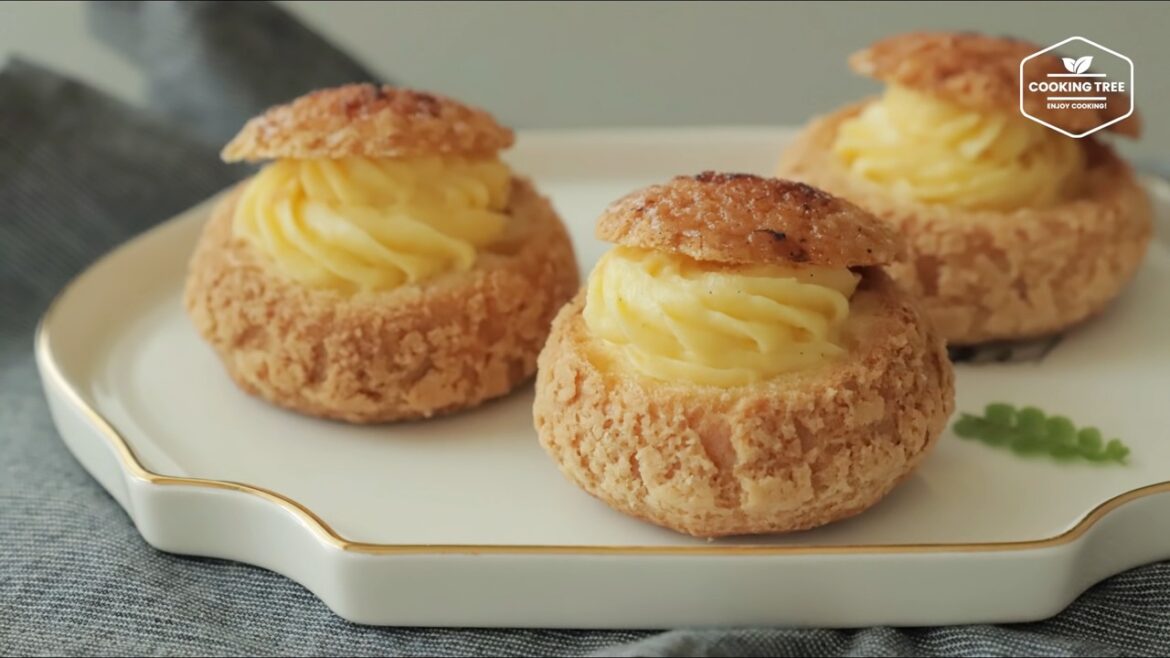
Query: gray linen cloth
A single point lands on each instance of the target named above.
(80, 173)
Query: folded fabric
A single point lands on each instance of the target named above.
(81, 172)
(212, 65)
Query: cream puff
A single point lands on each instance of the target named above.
(739, 362)
(385, 265)
(1014, 230)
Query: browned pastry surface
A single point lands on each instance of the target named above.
(789, 453)
(991, 275)
(741, 218)
(413, 351)
(980, 72)
(371, 121)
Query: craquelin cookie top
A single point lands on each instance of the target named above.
(979, 72)
(371, 121)
(741, 218)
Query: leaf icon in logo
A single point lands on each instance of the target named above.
(1083, 63)
(1070, 64)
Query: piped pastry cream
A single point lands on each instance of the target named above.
(1013, 229)
(385, 265)
(374, 223)
(922, 148)
(675, 318)
(739, 362)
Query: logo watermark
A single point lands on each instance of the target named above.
(1092, 91)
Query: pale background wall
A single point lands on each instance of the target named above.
(640, 63)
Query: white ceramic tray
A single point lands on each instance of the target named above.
(462, 521)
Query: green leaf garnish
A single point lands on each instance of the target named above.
(1031, 420)
(1000, 414)
(969, 427)
(1029, 431)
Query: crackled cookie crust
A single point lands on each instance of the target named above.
(991, 275)
(410, 352)
(791, 452)
(413, 351)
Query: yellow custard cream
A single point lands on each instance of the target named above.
(373, 224)
(679, 319)
(932, 151)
